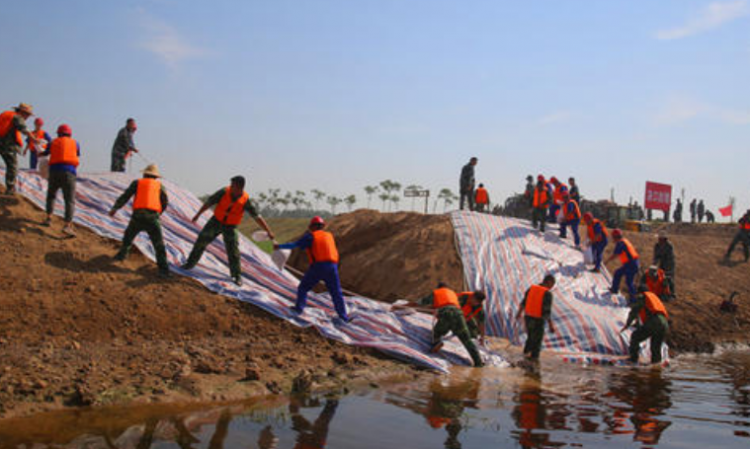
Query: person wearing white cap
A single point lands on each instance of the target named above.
(149, 203)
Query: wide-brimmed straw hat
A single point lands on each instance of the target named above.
(27, 108)
(152, 170)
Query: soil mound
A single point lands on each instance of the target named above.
(77, 328)
(391, 256)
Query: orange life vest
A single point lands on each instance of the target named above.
(6, 124)
(229, 211)
(481, 196)
(148, 195)
(629, 251)
(654, 307)
(592, 235)
(42, 146)
(63, 150)
(540, 198)
(444, 297)
(656, 286)
(467, 309)
(745, 226)
(534, 301)
(323, 248)
(576, 214)
(558, 195)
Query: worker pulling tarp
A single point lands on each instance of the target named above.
(372, 325)
(504, 256)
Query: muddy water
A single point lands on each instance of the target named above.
(698, 402)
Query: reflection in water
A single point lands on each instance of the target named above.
(699, 402)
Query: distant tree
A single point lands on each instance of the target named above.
(370, 191)
(350, 201)
(396, 187)
(384, 197)
(395, 199)
(333, 202)
(412, 188)
(447, 196)
(318, 195)
(299, 199)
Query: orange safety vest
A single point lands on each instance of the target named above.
(576, 214)
(654, 307)
(629, 254)
(745, 226)
(467, 309)
(534, 301)
(6, 124)
(229, 211)
(656, 286)
(481, 196)
(63, 150)
(594, 222)
(444, 297)
(148, 195)
(540, 198)
(558, 195)
(39, 135)
(323, 248)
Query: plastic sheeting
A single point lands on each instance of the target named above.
(505, 256)
(403, 336)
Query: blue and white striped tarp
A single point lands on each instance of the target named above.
(403, 336)
(505, 256)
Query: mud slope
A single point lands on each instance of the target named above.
(78, 329)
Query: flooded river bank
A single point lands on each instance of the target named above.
(698, 402)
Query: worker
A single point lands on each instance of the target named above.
(742, 236)
(575, 195)
(571, 218)
(536, 308)
(472, 306)
(123, 146)
(630, 265)
(710, 218)
(466, 184)
(664, 259)
(64, 156)
(540, 203)
(149, 204)
(35, 148)
(231, 204)
(700, 211)
(693, 210)
(445, 304)
(677, 216)
(529, 191)
(655, 281)
(12, 129)
(559, 190)
(650, 312)
(481, 199)
(324, 265)
(597, 236)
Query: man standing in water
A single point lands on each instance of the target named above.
(652, 316)
(536, 308)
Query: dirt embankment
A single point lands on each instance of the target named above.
(78, 329)
(393, 256)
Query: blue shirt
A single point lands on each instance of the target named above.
(303, 243)
(620, 248)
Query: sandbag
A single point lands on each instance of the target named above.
(44, 167)
(280, 256)
(588, 255)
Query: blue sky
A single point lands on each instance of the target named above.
(339, 94)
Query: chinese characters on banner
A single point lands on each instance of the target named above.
(658, 196)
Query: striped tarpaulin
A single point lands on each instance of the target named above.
(403, 336)
(505, 256)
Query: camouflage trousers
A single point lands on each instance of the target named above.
(118, 163)
(10, 157)
(231, 242)
(538, 215)
(451, 319)
(65, 181)
(145, 220)
(534, 336)
(655, 328)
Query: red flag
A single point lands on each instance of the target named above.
(726, 211)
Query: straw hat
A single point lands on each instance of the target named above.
(152, 170)
(23, 107)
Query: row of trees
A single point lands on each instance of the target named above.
(274, 202)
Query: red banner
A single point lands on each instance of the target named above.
(726, 211)
(658, 196)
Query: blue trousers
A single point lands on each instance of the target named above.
(327, 272)
(33, 160)
(573, 227)
(598, 250)
(553, 208)
(629, 270)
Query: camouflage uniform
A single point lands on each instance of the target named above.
(655, 328)
(9, 149)
(466, 186)
(123, 144)
(451, 319)
(742, 236)
(144, 220)
(535, 326)
(664, 259)
(212, 230)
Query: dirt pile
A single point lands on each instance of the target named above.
(78, 329)
(392, 256)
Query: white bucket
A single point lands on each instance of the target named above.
(280, 256)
